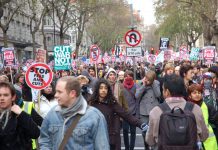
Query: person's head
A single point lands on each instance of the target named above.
(103, 92)
(4, 78)
(207, 80)
(149, 77)
(129, 73)
(214, 70)
(196, 69)
(186, 72)
(177, 70)
(169, 69)
(121, 76)
(67, 91)
(7, 95)
(100, 73)
(91, 71)
(195, 93)
(111, 75)
(173, 86)
(19, 78)
(49, 91)
(64, 73)
(83, 80)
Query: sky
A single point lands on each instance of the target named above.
(146, 8)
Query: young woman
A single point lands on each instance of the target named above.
(210, 115)
(47, 101)
(104, 100)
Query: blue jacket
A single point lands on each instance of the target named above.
(90, 133)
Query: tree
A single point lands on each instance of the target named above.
(37, 11)
(207, 10)
(178, 20)
(108, 27)
(12, 7)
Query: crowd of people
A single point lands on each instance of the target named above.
(174, 104)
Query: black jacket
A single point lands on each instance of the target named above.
(18, 133)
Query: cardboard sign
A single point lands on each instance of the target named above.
(133, 51)
(164, 43)
(94, 52)
(167, 55)
(209, 54)
(38, 76)
(41, 55)
(62, 57)
(8, 56)
(194, 55)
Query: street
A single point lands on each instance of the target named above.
(139, 145)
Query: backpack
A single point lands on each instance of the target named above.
(177, 128)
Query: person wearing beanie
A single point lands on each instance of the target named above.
(117, 88)
(210, 115)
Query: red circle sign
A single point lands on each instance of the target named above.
(94, 52)
(133, 38)
(38, 76)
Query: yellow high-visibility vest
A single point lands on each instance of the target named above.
(210, 143)
(27, 107)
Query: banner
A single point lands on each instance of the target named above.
(209, 54)
(194, 55)
(164, 43)
(167, 55)
(8, 56)
(41, 55)
(62, 57)
(151, 58)
(159, 58)
(183, 52)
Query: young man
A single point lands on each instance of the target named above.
(129, 95)
(16, 127)
(173, 93)
(91, 130)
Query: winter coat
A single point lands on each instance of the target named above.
(18, 133)
(148, 97)
(112, 114)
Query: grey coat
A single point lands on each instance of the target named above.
(150, 98)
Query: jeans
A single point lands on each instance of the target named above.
(129, 145)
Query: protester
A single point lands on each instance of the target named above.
(209, 113)
(47, 100)
(17, 128)
(173, 88)
(187, 73)
(86, 91)
(129, 95)
(90, 131)
(104, 100)
(19, 80)
(117, 88)
(148, 93)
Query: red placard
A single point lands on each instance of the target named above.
(94, 52)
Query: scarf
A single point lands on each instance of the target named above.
(128, 82)
(196, 102)
(73, 109)
(4, 117)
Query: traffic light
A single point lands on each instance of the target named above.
(74, 55)
(152, 50)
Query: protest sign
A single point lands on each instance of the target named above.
(62, 57)
(8, 56)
